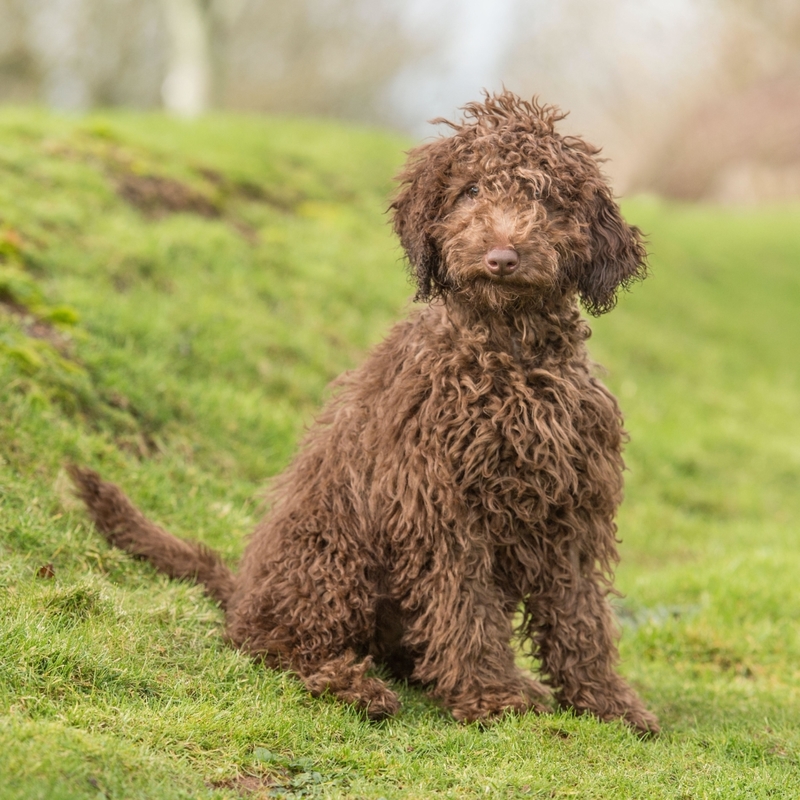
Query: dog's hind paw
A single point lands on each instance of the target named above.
(384, 704)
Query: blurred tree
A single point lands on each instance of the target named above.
(759, 38)
(314, 56)
(73, 54)
(624, 69)
(19, 70)
(739, 141)
(306, 56)
(633, 72)
(187, 86)
(198, 32)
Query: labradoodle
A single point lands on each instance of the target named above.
(460, 488)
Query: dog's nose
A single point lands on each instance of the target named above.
(501, 261)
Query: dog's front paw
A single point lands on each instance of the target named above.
(642, 720)
(609, 702)
(488, 704)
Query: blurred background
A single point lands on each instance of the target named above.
(693, 99)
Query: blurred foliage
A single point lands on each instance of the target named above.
(654, 83)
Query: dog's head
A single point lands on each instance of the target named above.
(507, 211)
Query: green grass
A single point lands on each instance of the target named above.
(182, 351)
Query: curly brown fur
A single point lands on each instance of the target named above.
(471, 468)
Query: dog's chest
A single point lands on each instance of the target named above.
(521, 434)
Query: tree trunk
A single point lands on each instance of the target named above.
(187, 87)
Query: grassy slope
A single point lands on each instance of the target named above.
(183, 352)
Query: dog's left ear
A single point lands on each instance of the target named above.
(617, 255)
(418, 207)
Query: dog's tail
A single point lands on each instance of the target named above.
(124, 526)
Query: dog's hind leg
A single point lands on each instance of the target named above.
(321, 659)
(311, 610)
(345, 677)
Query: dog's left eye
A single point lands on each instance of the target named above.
(472, 191)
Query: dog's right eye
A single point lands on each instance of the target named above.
(472, 191)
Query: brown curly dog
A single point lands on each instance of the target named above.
(461, 486)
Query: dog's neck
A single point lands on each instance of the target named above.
(555, 333)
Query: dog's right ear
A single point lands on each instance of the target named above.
(418, 207)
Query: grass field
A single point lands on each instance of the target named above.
(174, 299)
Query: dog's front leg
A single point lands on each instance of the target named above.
(463, 634)
(576, 636)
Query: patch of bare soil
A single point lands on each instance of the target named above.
(250, 191)
(33, 326)
(155, 196)
(250, 786)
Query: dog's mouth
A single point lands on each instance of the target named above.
(503, 278)
(517, 270)
(500, 292)
(506, 270)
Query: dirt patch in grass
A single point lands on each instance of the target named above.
(251, 786)
(155, 196)
(253, 192)
(34, 326)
